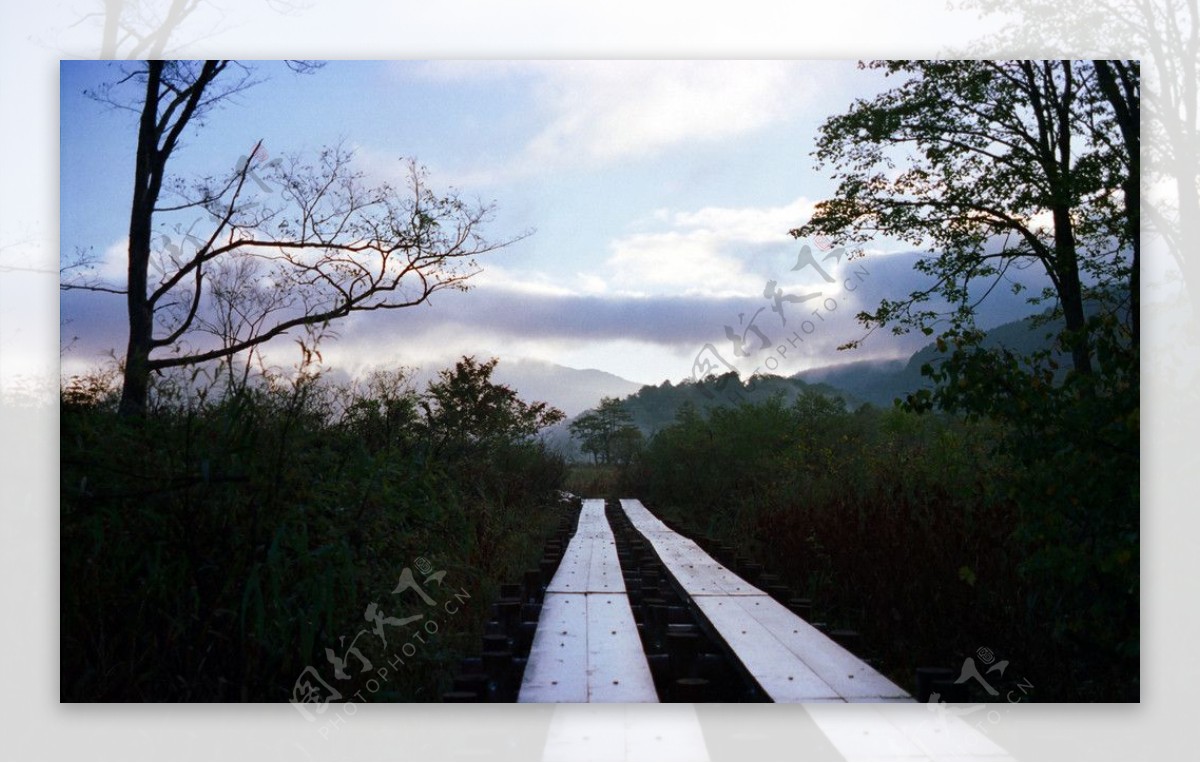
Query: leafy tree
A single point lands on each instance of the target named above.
(465, 408)
(328, 245)
(607, 432)
(382, 409)
(625, 444)
(1000, 163)
(227, 542)
(1120, 84)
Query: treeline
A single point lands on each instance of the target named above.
(617, 428)
(237, 535)
(653, 408)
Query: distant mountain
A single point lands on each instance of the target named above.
(868, 381)
(572, 390)
(881, 382)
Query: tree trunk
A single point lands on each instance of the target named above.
(1120, 84)
(1070, 290)
(146, 184)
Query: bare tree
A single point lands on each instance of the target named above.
(241, 301)
(326, 245)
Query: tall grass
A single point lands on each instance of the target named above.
(214, 549)
(594, 480)
(916, 530)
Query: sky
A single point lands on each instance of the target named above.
(658, 196)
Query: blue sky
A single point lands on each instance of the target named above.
(660, 194)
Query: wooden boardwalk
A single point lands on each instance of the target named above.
(791, 660)
(586, 647)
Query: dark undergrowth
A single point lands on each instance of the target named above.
(933, 536)
(255, 547)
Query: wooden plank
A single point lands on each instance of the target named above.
(586, 647)
(617, 668)
(591, 517)
(697, 573)
(557, 667)
(645, 522)
(782, 675)
(573, 570)
(604, 571)
(592, 553)
(852, 678)
(791, 660)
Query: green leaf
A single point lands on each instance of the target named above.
(967, 575)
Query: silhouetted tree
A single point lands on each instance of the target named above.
(987, 164)
(327, 245)
(607, 432)
(465, 408)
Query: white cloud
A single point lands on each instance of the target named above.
(601, 111)
(711, 251)
(590, 283)
(762, 225)
(529, 283)
(112, 268)
(714, 251)
(676, 262)
(594, 113)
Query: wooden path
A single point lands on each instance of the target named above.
(586, 647)
(791, 660)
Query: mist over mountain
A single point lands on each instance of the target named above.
(881, 382)
(572, 390)
(653, 407)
